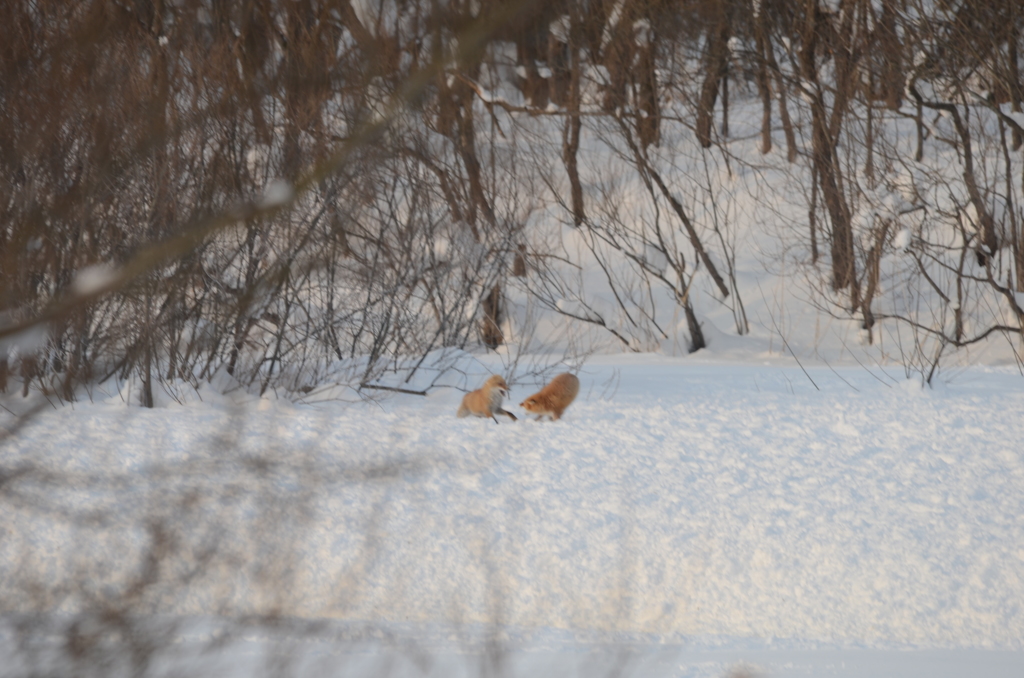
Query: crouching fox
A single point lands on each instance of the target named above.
(486, 400)
(553, 398)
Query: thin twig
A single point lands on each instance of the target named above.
(396, 389)
(783, 337)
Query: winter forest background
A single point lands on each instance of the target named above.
(337, 200)
(304, 192)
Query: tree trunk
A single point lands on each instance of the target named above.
(824, 135)
(891, 55)
(1015, 87)
(697, 341)
(649, 124)
(716, 61)
(618, 56)
(787, 123)
(763, 87)
(573, 122)
(490, 325)
(873, 265)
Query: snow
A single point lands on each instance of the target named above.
(1016, 116)
(441, 248)
(277, 193)
(256, 158)
(613, 21)
(92, 279)
(560, 28)
(642, 31)
(27, 342)
(687, 515)
(969, 217)
(655, 258)
(902, 240)
(908, 184)
(368, 13)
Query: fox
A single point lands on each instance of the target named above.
(553, 399)
(486, 400)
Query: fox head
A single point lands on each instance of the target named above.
(497, 382)
(528, 404)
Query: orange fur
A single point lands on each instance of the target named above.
(553, 398)
(486, 400)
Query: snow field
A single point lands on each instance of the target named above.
(677, 500)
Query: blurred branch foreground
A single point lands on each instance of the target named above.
(199, 197)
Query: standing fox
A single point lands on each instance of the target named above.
(486, 400)
(553, 398)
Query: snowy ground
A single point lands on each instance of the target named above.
(686, 517)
